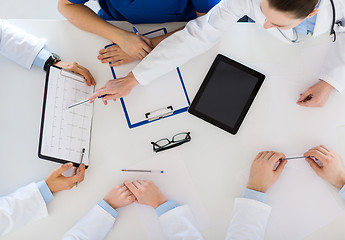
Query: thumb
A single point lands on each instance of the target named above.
(280, 167)
(304, 95)
(63, 168)
(313, 165)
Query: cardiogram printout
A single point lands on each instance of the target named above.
(65, 132)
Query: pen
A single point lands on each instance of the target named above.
(81, 161)
(308, 98)
(136, 170)
(318, 162)
(81, 102)
(292, 158)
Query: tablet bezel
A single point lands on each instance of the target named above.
(231, 129)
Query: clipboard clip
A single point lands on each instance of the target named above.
(159, 113)
(72, 75)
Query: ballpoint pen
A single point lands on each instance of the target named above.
(81, 161)
(81, 102)
(318, 162)
(137, 33)
(146, 171)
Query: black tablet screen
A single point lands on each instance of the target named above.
(226, 94)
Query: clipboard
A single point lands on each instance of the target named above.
(65, 132)
(137, 111)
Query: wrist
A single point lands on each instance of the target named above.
(108, 200)
(256, 188)
(341, 181)
(118, 36)
(132, 80)
(327, 86)
(159, 202)
(49, 184)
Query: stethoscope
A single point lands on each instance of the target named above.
(332, 33)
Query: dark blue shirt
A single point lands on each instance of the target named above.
(151, 11)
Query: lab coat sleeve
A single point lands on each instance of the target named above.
(18, 45)
(21, 207)
(96, 224)
(333, 71)
(249, 220)
(197, 37)
(179, 223)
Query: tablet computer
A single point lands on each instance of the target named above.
(226, 94)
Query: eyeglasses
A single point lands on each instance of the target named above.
(176, 140)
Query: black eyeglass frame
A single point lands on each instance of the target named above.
(171, 143)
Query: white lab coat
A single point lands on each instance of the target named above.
(204, 32)
(18, 45)
(177, 224)
(249, 220)
(21, 207)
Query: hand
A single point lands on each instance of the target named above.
(146, 192)
(316, 95)
(114, 55)
(262, 175)
(332, 169)
(116, 88)
(57, 182)
(76, 68)
(119, 196)
(134, 45)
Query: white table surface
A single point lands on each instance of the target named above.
(213, 157)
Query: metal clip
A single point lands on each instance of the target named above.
(159, 113)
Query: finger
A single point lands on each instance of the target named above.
(108, 55)
(304, 95)
(326, 149)
(123, 188)
(143, 53)
(258, 156)
(131, 188)
(107, 49)
(264, 155)
(316, 154)
(63, 168)
(126, 193)
(139, 56)
(146, 48)
(98, 93)
(109, 97)
(280, 167)
(131, 198)
(323, 150)
(79, 177)
(309, 103)
(86, 74)
(275, 158)
(147, 41)
(117, 63)
(137, 184)
(313, 165)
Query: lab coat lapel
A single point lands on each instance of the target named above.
(323, 19)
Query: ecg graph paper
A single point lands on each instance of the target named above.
(67, 131)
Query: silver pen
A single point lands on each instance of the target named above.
(81, 161)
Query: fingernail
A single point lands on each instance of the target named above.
(69, 164)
